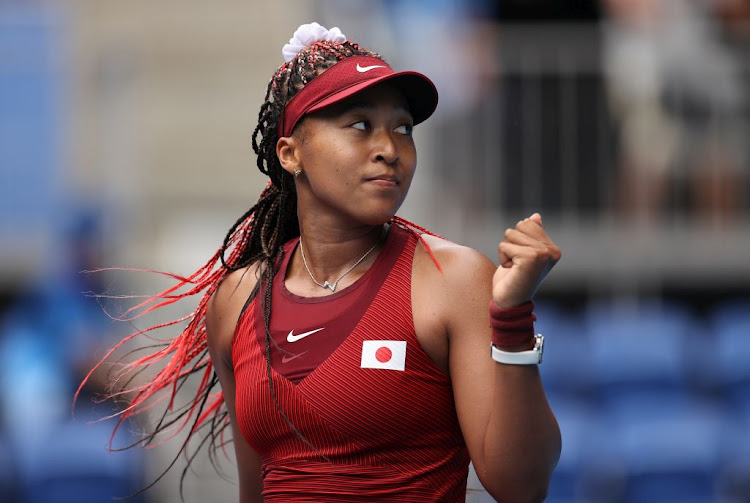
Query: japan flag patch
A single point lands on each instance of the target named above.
(389, 355)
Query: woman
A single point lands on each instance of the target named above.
(350, 345)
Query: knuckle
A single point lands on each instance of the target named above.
(542, 254)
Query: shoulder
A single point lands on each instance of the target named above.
(234, 285)
(225, 306)
(451, 302)
(462, 285)
(460, 264)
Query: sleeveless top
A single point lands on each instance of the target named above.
(375, 419)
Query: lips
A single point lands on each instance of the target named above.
(386, 180)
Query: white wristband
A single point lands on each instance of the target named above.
(530, 357)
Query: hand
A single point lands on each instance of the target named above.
(526, 256)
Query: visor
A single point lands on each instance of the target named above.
(352, 75)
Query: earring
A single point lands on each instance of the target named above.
(297, 172)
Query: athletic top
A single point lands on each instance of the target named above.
(376, 415)
(306, 330)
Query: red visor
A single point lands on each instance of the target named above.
(352, 75)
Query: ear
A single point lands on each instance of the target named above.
(288, 153)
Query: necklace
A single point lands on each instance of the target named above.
(326, 284)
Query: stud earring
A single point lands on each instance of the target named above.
(297, 172)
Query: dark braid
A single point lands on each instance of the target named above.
(275, 214)
(256, 237)
(276, 210)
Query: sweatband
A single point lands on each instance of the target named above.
(512, 326)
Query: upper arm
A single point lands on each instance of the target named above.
(470, 366)
(502, 410)
(222, 313)
(458, 299)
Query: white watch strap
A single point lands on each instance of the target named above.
(530, 357)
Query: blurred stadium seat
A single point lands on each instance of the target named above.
(567, 362)
(579, 423)
(730, 325)
(670, 446)
(647, 436)
(73, 465)
(729, 330)
(639, 347)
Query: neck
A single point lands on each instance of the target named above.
(329, 253)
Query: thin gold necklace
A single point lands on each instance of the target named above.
(326, 284)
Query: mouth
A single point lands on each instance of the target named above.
(385, 180)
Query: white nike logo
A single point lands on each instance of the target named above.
(294, 338)
(286, 358)
(363, 69)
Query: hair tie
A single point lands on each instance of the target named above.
(308, 34)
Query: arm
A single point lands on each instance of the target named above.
(222, 313)
(509, 429)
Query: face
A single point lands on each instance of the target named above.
(358, 157)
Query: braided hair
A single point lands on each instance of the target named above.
(255, 238)
(277, 207)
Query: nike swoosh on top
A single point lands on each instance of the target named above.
(363, 69)
(294, 338)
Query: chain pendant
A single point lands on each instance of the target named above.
(326, 284)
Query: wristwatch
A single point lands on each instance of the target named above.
(531, 357)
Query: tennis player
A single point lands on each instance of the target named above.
(359, 356)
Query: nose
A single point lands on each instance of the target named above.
(384, 148)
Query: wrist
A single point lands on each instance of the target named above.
(508, 304)
(513, 327)
(531, 356)
(524, 346)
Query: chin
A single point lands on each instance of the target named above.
(378, 216)
(376, 220)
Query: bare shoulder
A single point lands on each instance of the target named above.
(460, 264)
(462, 284)
(225, 305)
(236, 284)
(451, 301)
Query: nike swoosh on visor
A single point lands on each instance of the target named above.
(363, 69)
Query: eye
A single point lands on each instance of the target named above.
(361, 125)
(404, 129)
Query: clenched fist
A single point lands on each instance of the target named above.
(526, 255)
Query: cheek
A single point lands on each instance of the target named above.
(329, 165)
(410, 159)
(330, 153)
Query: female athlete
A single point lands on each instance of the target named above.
(360, 357)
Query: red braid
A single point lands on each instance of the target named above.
(257, 236)
(185, 354)
(418, 231)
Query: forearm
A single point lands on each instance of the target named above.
(522, 440)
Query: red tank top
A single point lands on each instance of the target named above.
(378, 412)
(306, 330)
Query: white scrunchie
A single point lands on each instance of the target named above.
(308, 34)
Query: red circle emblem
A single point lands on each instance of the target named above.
(383, 354)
